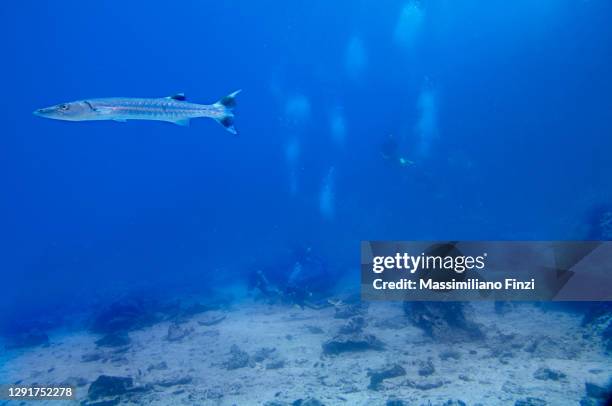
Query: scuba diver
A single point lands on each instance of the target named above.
(303, 279)
(389, 150)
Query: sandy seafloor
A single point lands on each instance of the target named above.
(496, 371)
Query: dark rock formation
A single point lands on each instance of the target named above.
(598, 391)
(426, 368)
(237, 359)
(546, 374)
(452, 402)
(268, 355)
(177, 332)
(109, 386)
(449, 354)
(275, 364)
(308, 402)
(425, 384)
(263, 354)
(530, 401)
(377, 376)
(547, 347)
(351, 342)
(443, 320)
(124, 315)
(214, 393)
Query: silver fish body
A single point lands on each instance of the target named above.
(174, 109)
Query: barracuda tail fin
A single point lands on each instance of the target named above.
(228, 103)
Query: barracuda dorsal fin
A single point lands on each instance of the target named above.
(178, 96)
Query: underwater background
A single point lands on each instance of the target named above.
(514, 143)
(358, 120)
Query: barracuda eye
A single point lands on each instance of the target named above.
(64, 107)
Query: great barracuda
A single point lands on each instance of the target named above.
(174, 109)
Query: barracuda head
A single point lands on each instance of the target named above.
(73, 111)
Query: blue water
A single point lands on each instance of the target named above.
(501, 108)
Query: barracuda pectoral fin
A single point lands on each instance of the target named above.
(178, 96)
(182, 123)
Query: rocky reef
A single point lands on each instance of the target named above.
(425, 354)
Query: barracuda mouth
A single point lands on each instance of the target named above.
(45, 112)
